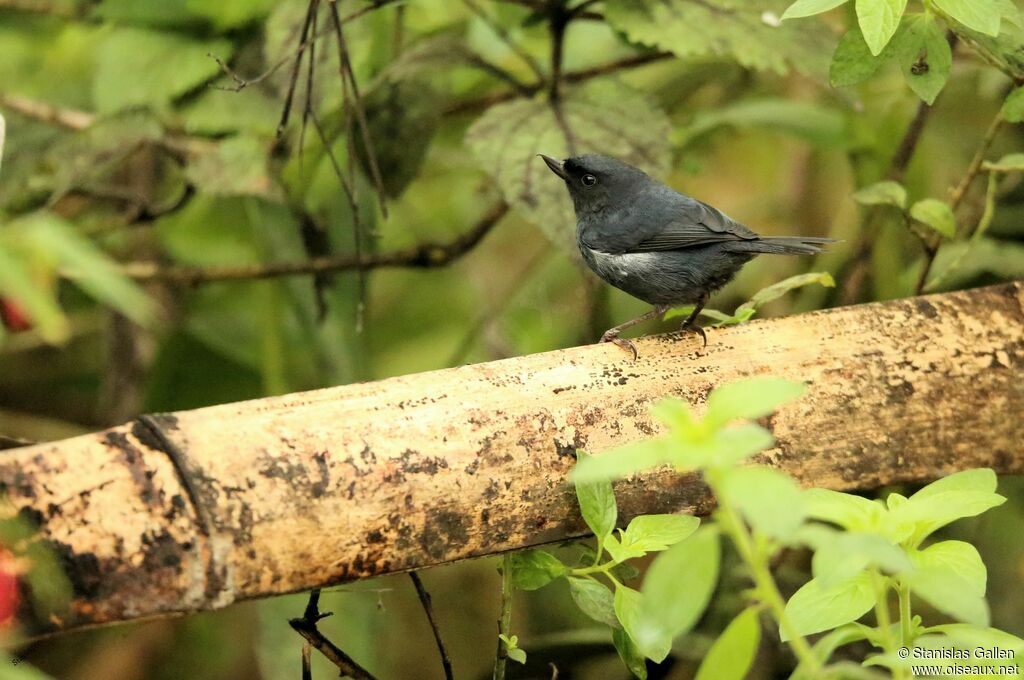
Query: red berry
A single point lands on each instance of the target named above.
(13, 316)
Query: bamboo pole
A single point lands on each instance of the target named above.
(190, 511)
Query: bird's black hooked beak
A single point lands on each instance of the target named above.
(556, 167)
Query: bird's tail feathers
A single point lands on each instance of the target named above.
(787, 245)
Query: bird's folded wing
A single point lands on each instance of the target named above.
(699, 224)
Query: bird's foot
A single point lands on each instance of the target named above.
(690, 327)
(613, 337)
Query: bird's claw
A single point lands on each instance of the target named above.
(694, 328)
(621, 342)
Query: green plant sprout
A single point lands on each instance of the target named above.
(867, 554)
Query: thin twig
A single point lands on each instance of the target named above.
(307, 661)
(474, 105)
(428, 609)
(424, 255)
(71, 119)
(505, 619)
(506, 38)
(306, 626)
(293, 80)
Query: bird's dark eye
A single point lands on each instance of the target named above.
(588, 180)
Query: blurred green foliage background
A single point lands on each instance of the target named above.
(127, 142)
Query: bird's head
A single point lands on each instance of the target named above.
(597, 182)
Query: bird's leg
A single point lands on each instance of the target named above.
(612, 334)
(691, 321)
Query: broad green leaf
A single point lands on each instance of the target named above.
(850, 553)
(218, 112)
(879, 20)
(806, 8)
(38, 299)
(749, 399)
(882, 193)
(228, 14)
(676, 414)
(924, 55)
(967, 635)
(677, 589)
(80, 261)
(629, 654)
(651, 641)
(949, 593)
(533, 569)
(732, 654)
(597, 504)
(1013, 162)
(594, 599)
(964, 494)
(602, 116)
(1013, 107)
(981, 15)
(236, 166)
(651, 533)
(733, 29)
(815, 608)
(849, 511)
(822, 125)
(852, 62)
(831, 641)
(624, 461)
(936, 214)
(151, 68)
(955, 557)
(728, 446)
(770, 501)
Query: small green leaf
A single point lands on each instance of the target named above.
(770, 501)
(981, 15)
(806, 8)
(624, 461)
(957, 557)
(594, 599)
(651, 641)
(924, 55)
(676, 590)
(1013, 107)
(882, 193)
(732, 654)
(936, 214)
(533, 569)
(676, 414)
(879, 20)
(976, 636)
(749, 399)
(964, 494)
(777, 290)
(1013, 162)
(815, 608)
(629, 654)
(512, 649)
(597, 504)
(850, 553)
(652, 533)
(853, 513)
(936, 582)
(852, 62)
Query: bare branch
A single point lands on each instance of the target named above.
(428, 609)
(71, 119)
(307, 628)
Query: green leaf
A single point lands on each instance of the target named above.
(879, 20)
(533, 569)
(749, 399)
(821, 125)
(964, 494)
(629, 654)
(849, 511)
(1013, 162)
(236, 166)
(770, 501)
(38, 301)
(966, 635)
(882, 193)
(732, 654)
(512, 649)
(594, 599)
(1013, 107)
(924, 55)
(676, 591)
(936, 214)
(956, 557)
(624, 461)
(218, 112)
(151, 68)
(952, 578)
(850, 553)
(652, 642)
(733, 29)
(652, 533)
(806, 8)
(676, 414)
(981, 15)
(604, 117)
(597, 503)
(815, 608)
(777, 290)
(852, 62)
(728, 446)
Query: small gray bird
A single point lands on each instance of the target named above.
(656, 244)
